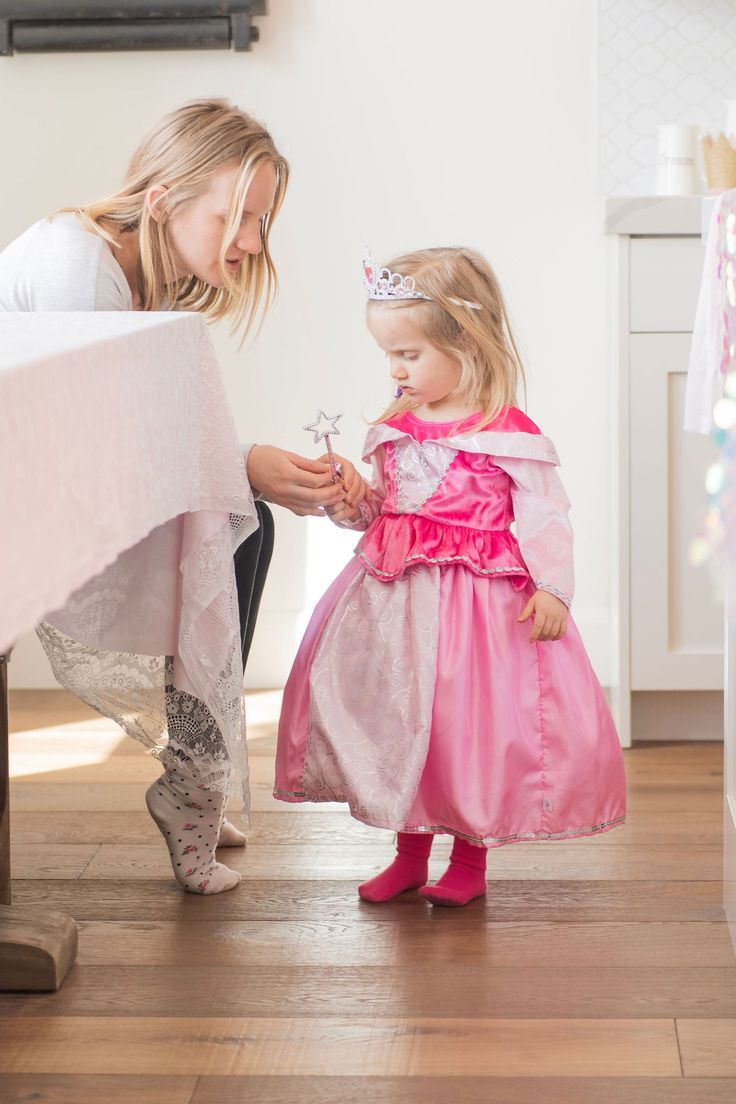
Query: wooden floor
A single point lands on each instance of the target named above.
(599, 970)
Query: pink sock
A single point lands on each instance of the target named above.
(407, 871)
(464, 879)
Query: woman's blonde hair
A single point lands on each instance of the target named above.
(183, 151)
(481, 340)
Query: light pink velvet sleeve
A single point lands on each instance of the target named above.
(371, 505)
(543, 528)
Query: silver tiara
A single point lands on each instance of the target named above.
(382, 283)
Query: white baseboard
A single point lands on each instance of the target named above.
(274, 647)
(29, 668)
(275, 642)
(661, 715)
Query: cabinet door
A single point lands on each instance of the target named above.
(676, 612)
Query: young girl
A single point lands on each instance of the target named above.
(442, 685)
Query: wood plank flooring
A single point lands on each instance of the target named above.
(596, 970)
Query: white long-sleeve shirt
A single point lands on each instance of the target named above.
(57, 265)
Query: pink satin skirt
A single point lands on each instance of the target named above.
(421, 703)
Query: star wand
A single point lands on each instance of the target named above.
(322, 427)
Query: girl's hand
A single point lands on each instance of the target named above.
(343, 513)
(550, 616)
(353, 483)
(356, 489)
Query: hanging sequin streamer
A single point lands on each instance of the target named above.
(716, 541)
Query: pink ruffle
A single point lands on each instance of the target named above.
(397, 541)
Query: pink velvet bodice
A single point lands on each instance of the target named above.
(474, 492)
(442, 494)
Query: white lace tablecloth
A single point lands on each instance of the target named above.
(123, 496)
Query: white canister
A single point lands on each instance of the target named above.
(677, 172)
(731, 120)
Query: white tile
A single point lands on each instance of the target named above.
(660, 61)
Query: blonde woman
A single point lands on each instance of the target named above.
(463, 721)
(188, 230)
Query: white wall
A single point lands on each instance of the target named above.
(407, 124)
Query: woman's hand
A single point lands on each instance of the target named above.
(550, 616)
(303, 486)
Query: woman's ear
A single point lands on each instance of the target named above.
(155, 201)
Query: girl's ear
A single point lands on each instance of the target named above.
(154, 200)
(466, 344)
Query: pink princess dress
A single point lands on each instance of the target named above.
(416, 696)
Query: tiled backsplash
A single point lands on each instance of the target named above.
(660, 61)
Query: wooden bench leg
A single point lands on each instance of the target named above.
(36, 951)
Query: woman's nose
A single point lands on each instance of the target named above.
(249, 241)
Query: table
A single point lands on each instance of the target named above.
(123, 498)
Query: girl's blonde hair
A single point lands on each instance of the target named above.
(183, 151)
(481, 340)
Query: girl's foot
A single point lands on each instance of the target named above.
(464, 879)
(188, 817)
(407, 871)
(230, 836)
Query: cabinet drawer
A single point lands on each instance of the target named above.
(665, 276)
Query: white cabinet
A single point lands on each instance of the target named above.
(664, 282)
(669, 620)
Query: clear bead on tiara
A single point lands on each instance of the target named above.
(384, 284)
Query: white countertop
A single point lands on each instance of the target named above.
(647, 216)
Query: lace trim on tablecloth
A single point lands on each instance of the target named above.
(206, 728)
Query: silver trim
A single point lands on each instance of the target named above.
(553, 590)
(420, 557)
(489, 841)
(523, 446)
